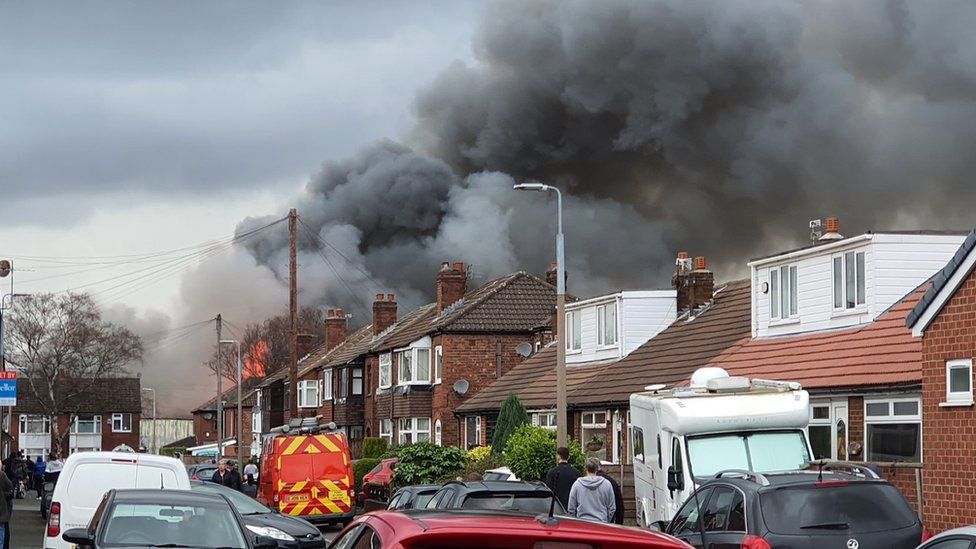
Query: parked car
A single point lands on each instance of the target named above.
(290, 532)
(377, 482)
(511, 496)
(88, 475)
(413, 497)
(436, 528)
(165, 518)
(801, 509)
(501, 473)
(959, 538)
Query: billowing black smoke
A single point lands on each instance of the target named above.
(716, 127)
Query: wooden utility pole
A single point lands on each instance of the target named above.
(220, 397)
(293, 312)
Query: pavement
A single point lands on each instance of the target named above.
(27, 526)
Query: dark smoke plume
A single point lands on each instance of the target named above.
(715, 127)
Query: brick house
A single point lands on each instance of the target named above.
(205, 423)
(104, 418)
(945, 322)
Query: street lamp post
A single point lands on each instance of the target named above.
(240, 420)
(561, 418)
(155, 449)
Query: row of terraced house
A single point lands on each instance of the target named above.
(880, 328)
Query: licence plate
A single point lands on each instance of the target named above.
(337, 495)
(296, 497)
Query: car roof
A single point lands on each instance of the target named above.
(793, 478)
(962, 531)
(420, 487)
(167, 497)
(499, 486)
(415, 522)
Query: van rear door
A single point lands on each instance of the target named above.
(88, 483)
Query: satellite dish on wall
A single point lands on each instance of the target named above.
(208, 415)
(524, 349)
(461, 386)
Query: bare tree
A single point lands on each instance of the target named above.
(62, 348)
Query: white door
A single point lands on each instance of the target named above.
(618, 437)
(840, 428)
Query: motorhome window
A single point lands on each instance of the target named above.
(764, 452)
(660, 457)
(638, 435)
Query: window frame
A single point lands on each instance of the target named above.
(438, 364)
(328, 385)
(574, 325)
(414, 430)
(438, 433)
(820, 423)
(388, 433)
(120, 416)
(357, 374)
(891, 419)
(958, 398)
(604, 322)
(477, 432)
(414, 359)
(24, 419)
(95, 420)
(386, 367)
(550, 422)
(304, 387)
(840, 270)
(784, 303)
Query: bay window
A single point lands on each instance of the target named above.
(606, 324)
(89, 425)
(308, 393)
(121, 423)
(849, 280)
(414, 429)
(893, 429)
(34, 424)
(386, 430)
(959, 381)
(413, 366)
(386, 370)
(404, 366)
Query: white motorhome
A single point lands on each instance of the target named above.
(682, 437)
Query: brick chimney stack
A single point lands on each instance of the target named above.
(452, 283)
(693, 281)
(384, 312)
(335, 328)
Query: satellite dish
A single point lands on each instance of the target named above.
(524, 349)
(208, 415)
(461, 386)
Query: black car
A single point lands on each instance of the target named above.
(413, 497)
(202, 471)
(166, 518)
(804, 509)
(515, 496)
(290, 532)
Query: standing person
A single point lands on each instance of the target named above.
(6, 508)
(561, 477)
(251, 472)
(19, 469)
(54, 466)
(40, 468)
(227, 476)
(618, 497)
(591, 497)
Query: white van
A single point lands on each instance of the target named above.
(682, 437)
(88, 475)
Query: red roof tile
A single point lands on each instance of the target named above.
(880, 353)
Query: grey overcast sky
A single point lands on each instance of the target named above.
(137, 126)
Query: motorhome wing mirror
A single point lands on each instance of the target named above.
(675, 480)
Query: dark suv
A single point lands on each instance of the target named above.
(839, 506)
(515, 496)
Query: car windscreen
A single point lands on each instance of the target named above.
(760, 451)
(521, 502)
(858, 507)
(245, 505)
(202, 525)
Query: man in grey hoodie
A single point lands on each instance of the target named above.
(591, 497)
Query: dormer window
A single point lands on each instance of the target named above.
(606, 321)
(849, 280)
(574, 326)
(783, 302)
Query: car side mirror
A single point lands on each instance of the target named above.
(78, 536)
(659, 525)
(264, 542)
(676, 481)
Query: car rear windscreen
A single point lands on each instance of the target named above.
(858, 507)
(526, 502)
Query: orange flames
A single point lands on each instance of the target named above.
(255, 359)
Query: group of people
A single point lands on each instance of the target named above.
(591, 496)
(26, 473)
(227, 475)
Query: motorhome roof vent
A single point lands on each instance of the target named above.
(728, 384)
(701, 377)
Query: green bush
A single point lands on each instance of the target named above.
(479, 453)
(511, 416)
(424, 463)
(360, 468)
(374, 447)
(531, 453)
(476, 468)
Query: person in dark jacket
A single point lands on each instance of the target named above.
(618, 496)
(6, 508)
(227, 476)
(561, 478)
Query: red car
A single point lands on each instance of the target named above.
(376, 483)
(432, 529)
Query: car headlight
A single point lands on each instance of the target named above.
(270, 532)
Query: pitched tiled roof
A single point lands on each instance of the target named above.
(941, 278)
(880, 353)
(117, 394)
(674, 354)
(250, 387)
(412, 326)
(670, 357)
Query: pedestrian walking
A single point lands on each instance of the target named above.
(40, 469)
(562, 477)
(591, 497)
(19, 469)
(251, 472)
(227, 476)
(6, 508)
(618, 497)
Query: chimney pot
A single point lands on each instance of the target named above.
(833, 225)
(339, 314)
(700, 264)
(390, 297)
(379, 297)
(445, 266)
(458, 266)
(682, 255)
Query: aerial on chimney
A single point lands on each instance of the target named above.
(693, 282)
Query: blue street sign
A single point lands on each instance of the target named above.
(8, 388)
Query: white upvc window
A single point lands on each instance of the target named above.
(573, 323)
(256, 420)
(438, 364)
(546, 420)
(783, 299)
(849, 280)
(89, 425)
(308, 393)
(820, 429)
(357, 381)
(414, 429)
(472, 432)
(893, 429)
(121, 423)
(594, 428)
(386, 370)
(35, 424)
(386, 430)
(328, 381)
(959, 381)
(606, 324)
(413, 366)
